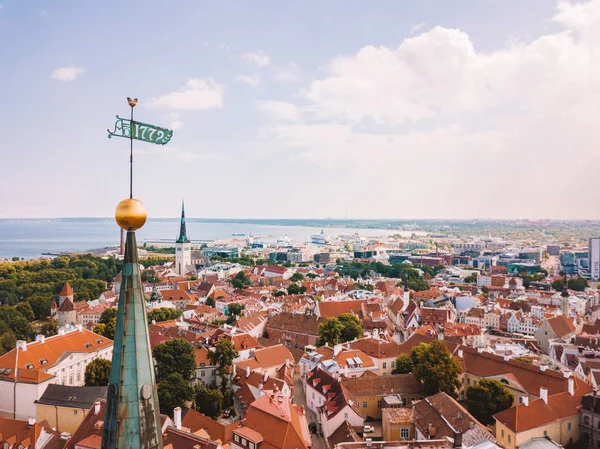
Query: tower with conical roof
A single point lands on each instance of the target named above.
(132, 418)
(183, 247)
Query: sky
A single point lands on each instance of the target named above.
(388, 109)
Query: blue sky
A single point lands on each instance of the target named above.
(303, 109)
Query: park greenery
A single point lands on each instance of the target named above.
(173, 391)
(163, 314)
(406, 272)
(404, 365)
(578, 284)
(487, 398)
(344, 328)
(97, 373)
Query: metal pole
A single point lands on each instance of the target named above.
(131, 156)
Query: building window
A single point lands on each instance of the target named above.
(236, 437)
(569, 427)
(468, 381)
(251, 445)
(404, 434)
(365, 404)
(379, 403)
(502, 433)
(393, 364)
(345, 415)
(545, 433)
(509, 438)
(74, 412)
(384, 365)
(586, 420)
(313, 393)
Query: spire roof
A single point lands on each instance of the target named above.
(66, 290)
(183, 238)
(132, 415)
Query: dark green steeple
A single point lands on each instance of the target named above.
(132, 418)
(183, 238)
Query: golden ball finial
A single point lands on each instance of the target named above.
(131, 214)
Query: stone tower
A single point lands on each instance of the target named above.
(183, 248)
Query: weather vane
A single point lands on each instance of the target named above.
(131, 213)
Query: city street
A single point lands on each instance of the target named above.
(318, 442)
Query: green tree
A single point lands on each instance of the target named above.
(240, 281)
(50, 328)
(311, 275)
(471, 279)
(223, 355)
(487, 398)
(107, 330)
(352, 326)
(297, 277)
(435, 368)
(235, 309)
(330, 332)
(403, 365)
(8, 341)
(210, 302)
(97, 373)
(295, 289)
(40, 304)
(163, 314)
(24, 308)
(150, 276)
(107, 315)
(174, 391)
(174, 356)
(208, 401)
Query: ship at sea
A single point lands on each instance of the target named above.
(320, 239)
(238, 234)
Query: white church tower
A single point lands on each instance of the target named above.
(183, 248)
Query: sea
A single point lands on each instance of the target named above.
(33, 238)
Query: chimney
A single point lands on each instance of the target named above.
(177, 417)
(566, 374)
(79, 328)
(153, 321)
(31, 422)
(96, 407)
(41, 338)
(337, 349)
(479, 350)
(457, 440)
(544, 394)
(506, 358)
(571, 386)
(369, 442)
(247, 371)
(460, 353)
(543, 367)
(525, 400)
(265, 377)
(22, 345)
(61, 331)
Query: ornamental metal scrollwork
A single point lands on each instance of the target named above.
(140, 131)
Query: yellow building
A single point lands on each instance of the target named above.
(369, 392)
(64, 407)
(398, 424)
(555, 416)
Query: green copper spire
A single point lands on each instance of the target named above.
(183, 238)
(132, 418)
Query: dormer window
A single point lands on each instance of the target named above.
(28, 366)
(88, 346)
(99, 341)
(43, 361)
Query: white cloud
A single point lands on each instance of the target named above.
(43, 13)
(436, 108)
(288, 73)
(67, 74)
(252, 80)
(417, 27)
(197, 94)
(176, 125)
(279, 110)
(258, 58)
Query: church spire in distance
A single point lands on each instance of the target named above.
(183, 238)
